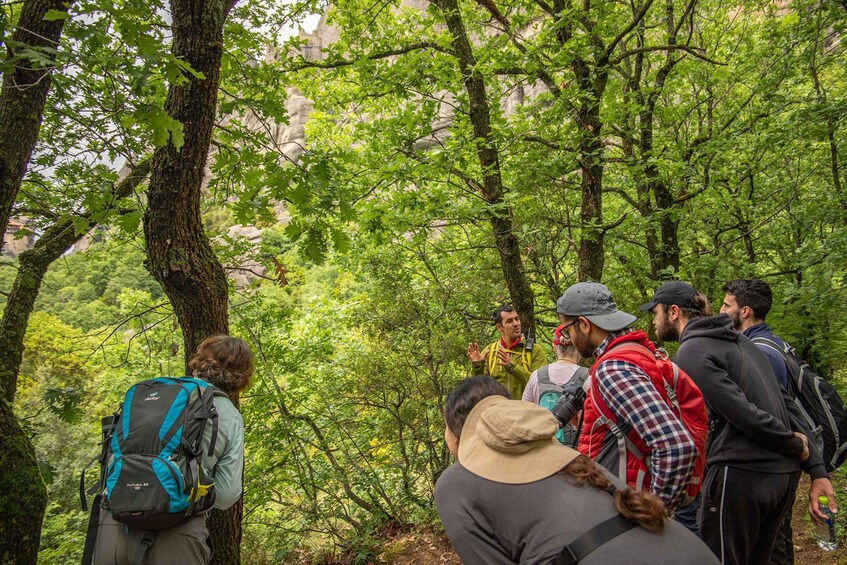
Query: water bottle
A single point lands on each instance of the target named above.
(826, 531)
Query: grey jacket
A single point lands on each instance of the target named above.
(495, 523)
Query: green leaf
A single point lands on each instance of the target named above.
(54, 15)
(129, 222)
(64, 403)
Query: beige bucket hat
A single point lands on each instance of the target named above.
(512, 441)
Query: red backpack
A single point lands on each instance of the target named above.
(684, 398)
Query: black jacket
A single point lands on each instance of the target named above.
(749, 425)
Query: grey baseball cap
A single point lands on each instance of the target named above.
(595, 302)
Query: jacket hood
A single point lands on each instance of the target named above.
(716, 327)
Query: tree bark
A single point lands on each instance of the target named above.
(501, 216)
(591, 78)
(179, 255)
(23, 497)
(22, 99)
(23, 96)
(591, 254)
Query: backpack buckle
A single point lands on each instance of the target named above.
(568, 556)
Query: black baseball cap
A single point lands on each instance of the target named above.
(672, 292)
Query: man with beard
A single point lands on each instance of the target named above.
(509, 360)
(753, 456)
(747, 302)
(623, 397)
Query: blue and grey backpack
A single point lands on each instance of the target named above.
(151, 473)
(549, 394)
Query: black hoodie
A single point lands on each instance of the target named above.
(749, 425)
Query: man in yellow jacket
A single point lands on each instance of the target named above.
(507, 360)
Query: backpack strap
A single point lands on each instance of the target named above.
(603, 532)
(625, 444)
(91, 532)
(492, 349)
(82, 489)
(216, 392)
(544, 376)
(206, 396)
(670, 388)
(525, 356)
(146, 541)
(768, 342)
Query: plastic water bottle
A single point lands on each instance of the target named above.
(826, 531)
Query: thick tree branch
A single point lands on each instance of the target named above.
(340, 63)
(695, 51)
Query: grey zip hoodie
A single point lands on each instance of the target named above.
(749, 425)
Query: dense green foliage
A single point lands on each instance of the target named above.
(718, 128)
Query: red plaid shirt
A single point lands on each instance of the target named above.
(630, 395)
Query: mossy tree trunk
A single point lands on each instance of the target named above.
(179, 255)
(24, 94)
(23, 497)
(52, 244)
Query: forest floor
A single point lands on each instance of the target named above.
(427, 548)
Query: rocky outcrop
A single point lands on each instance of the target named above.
(18, 238)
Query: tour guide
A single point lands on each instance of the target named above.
(507, 360)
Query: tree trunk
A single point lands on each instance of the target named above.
(501, 216)
(591, 79)
(179, 255)
(591, 245)
(23, 497)
(24, 95)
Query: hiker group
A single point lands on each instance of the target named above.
(716, 438)
(586, 467)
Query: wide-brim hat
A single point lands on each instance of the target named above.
(594, 302)
(512, 441)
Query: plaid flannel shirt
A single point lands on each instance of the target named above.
(629, 393)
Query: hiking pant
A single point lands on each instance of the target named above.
(742, 511)
(183, 544)
(687, 516)
(783, 549)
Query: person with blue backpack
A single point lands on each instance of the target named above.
(172, 453)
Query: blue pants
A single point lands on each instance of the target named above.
(687, 516)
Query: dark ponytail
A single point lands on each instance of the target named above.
(645, 508)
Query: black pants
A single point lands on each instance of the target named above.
(742, 511)
(783, 549)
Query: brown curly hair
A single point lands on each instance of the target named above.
(645, 508)
(224, 361)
